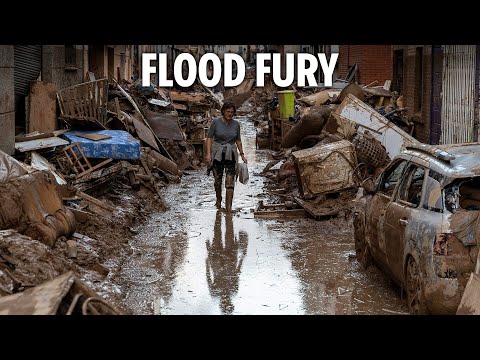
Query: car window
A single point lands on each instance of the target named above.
(391, 177)
(411, 187)
(433, 199)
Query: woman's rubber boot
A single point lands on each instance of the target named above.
(229, 185)
(229, 200)
(218, 192)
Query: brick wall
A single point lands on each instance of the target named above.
(374, 62)
(7, 100)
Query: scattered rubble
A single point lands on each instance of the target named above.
(73, 196)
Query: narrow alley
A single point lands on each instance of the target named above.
(193, 259)
(361, 196)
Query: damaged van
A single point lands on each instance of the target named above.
(419, 223)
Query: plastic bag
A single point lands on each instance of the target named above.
(242, 173)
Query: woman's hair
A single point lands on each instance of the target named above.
(228, 105)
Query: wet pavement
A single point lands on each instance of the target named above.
(193, 259)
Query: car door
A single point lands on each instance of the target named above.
(398, 217)
(375, 219)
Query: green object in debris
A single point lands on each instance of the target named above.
(286, 101)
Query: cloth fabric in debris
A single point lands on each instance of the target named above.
(242, 173)
(10, 168)
(227, 149)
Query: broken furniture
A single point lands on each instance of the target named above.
(85, 104)
(99, 180)
(78, 162)
(325, 168)
(30, 204)
(390, 136)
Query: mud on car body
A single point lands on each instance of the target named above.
(420, 223)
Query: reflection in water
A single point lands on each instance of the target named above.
(224, 261)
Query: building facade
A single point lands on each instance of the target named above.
(440, 85)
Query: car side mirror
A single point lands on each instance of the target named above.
(368, 185)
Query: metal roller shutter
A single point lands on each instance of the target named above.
(458, 94)
(28, 64)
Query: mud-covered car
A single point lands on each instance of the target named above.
(419, 222)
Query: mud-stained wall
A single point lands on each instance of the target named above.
(31, 205)
(7, 100)
(64, 69)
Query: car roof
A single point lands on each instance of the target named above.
(465, 164)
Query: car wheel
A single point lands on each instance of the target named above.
(416, 301)
(361, 247)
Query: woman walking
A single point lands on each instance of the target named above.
(223, 141)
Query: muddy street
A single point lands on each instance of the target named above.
(193, 259)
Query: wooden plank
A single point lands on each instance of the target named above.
(80, 215)
(34, 137)
(94, 136)
(60, 103)
(386, 86)
(187, 97)
(276, 211)
(83, 155)
(215, 98)
(117, 108)
(179, 106)
(97, 206)
(69, 99)
(144, 132)
(93, 101)
(43, 107)
(279, 214)
(269, 206)
(93, 168)
(145, 166)
(163, 94)
(40, 144)
(84, 96)
(315, 211)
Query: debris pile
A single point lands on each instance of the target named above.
(337, 139)
(100, 163)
